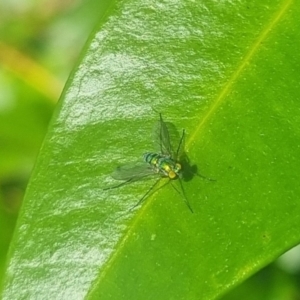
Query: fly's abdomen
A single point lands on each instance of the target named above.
(163, 165)
(152, 159)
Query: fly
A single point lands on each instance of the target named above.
(165, 163)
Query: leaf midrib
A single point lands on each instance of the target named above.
(240, 68)
(227, 87)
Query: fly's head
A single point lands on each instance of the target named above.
(175, 171)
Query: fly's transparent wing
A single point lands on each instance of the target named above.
(162, 137)
(133, 172)
(180, 154)
(167, 139)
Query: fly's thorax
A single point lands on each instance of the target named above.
(172, 169)
(164, 165)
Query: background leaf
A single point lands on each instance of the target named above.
(227, 73)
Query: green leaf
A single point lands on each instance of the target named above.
(225, 71)
(23, 123)
(268, 284)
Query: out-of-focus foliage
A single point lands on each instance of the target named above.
(40, 42)
(280, 280)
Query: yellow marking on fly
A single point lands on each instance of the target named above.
(154, 161)
(178, 166)
(172, 174)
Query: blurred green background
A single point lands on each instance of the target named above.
(40, 42)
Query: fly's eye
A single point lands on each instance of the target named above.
(172, 175)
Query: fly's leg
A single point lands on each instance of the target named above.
(180, 143)
(160, 133)
(189, 170)
(148, 192)
(119, 185)
(202, 176)
(183, 195)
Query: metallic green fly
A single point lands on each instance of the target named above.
(165, 163)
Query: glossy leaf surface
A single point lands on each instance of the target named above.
(225, 71)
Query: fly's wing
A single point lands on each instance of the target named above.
(180, 144)
(133, 172)
(167, 139)
(162, 138)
